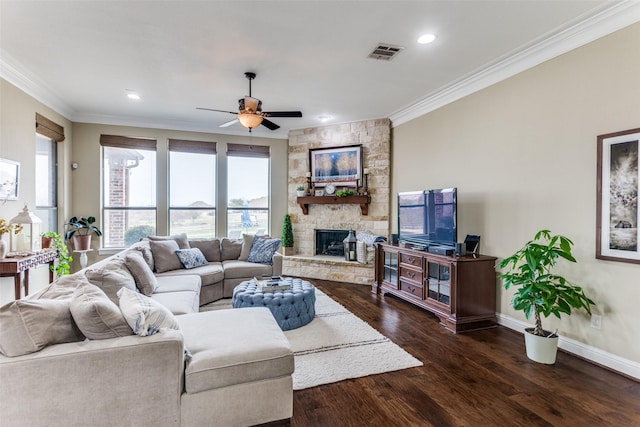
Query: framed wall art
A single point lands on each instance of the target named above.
(617, 214)
(9, 179)
(340, 166)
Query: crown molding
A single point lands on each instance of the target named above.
(13, 72)
(600, 357)
(599, 23)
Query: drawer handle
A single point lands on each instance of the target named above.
(411, 260)
(411, 274)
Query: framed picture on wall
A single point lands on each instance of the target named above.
(9, 179)
(340, 166)
(617, 214)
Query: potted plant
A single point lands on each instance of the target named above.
(82, 240)
(540, 292)
(300, 190)
(64, 259)
(287, 236)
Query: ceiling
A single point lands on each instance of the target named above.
(81, 58)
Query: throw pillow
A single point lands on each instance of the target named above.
(247, 243)
(209, 247)
(164, 255)
(180, 239)
(262, 250)
(146, 282)
(191, 258)
(145, 249)
(230, 249)
(144, 315)
(30, 325)
(96, 315)
(110, 277)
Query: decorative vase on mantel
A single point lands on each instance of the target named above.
(3, 248)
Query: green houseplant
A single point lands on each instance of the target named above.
(64, 259)
(83, 226)
(539, 291)
(287, 235)
(300, 191)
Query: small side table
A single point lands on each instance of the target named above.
(15, 266)
(83, 257)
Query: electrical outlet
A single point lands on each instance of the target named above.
(596, 321)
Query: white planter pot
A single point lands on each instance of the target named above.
(541, 349)
(301, 193)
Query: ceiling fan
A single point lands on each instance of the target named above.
(250, 114)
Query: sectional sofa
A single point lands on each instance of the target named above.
(70, 356)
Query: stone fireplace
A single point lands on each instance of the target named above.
(375, 137)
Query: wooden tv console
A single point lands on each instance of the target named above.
(461, 291)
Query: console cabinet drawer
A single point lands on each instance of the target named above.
(409, 259)
(408, 273)
(412, 289)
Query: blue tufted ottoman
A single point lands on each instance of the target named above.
(292, 308)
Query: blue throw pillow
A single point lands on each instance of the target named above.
(191, 258)
(262, 250)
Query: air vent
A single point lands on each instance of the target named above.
(385, 52)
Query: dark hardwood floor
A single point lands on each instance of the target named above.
(480, 378)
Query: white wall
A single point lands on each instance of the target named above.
(523, 156)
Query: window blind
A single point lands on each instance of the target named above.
(127, 142)
(241, 150)
(49, 128)
(186, 146)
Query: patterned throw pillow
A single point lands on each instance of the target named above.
(262, 250)
(144, 315)
(191, 258)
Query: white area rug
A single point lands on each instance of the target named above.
(337, 346)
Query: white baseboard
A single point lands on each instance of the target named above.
(593, 354)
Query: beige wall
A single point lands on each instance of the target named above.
(17, 142)
(523, 156)
(87, 180)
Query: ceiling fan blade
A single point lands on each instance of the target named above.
(282, 113)
(229, 123)
(269, 124)
(219, 111)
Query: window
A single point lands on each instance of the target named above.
(46, 183)
(129, 190)
(192, 184)
(247, 189)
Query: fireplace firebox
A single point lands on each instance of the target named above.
(329, 242)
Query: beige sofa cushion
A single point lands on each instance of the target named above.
(209, 247)
(180, 239)
(164, 255)
(247, 243)
(245, 345)
(234, 269)
(210, 273)
(145, 280)
(110, 277)
(144, 315)
(231, 248)
(29, 325)
(96, 315)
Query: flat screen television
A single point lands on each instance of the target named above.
(429, 217)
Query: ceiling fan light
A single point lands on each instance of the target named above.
(249, 120)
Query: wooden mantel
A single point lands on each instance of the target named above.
(363, 201)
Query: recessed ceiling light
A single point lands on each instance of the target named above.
(324, 118)
(133, 96)
(426, 38)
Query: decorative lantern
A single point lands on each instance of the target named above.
(29, 238)
(350, 246)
